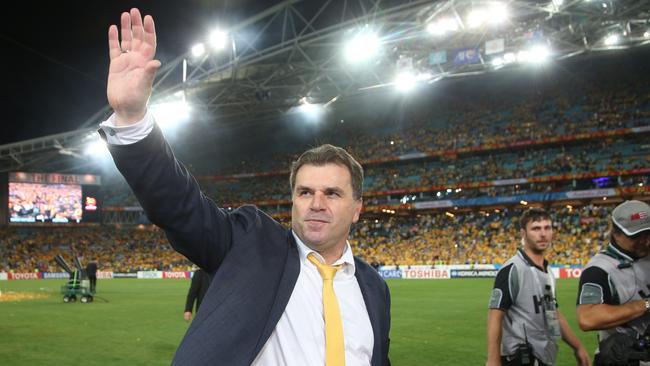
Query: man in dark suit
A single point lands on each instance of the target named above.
(198, 288)
(281, 297)
(91, 272)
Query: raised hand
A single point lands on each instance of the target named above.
(132, 67)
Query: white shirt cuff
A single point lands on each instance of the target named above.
(124, 135)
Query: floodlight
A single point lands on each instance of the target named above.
(497, 62)
(539, 54)
(476, 18)
(405, 81)
(523, 56)
(96, 147)
(509, 57)
(646, 34)
(198, 50)
(218, 39)
(612, 39)
(362, 46)
(558, 2)
(442, 26)
(170, 114)
(497, 13)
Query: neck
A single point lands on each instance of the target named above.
(536, 257)
(332, 255)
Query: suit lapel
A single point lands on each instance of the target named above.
(369, 297)
(290, 274)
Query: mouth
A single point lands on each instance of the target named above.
(317, 221)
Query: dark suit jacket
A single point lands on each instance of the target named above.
(253, 259)
(198, 289)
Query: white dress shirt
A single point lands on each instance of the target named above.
(299, 336)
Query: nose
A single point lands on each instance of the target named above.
(317, 201)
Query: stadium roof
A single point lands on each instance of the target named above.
(294, 52)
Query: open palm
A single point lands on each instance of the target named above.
(132, 66)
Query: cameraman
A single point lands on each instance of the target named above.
(523, 321)
(615, 284)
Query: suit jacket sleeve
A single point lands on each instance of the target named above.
(172, 199)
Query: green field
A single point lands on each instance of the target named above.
(139, 322)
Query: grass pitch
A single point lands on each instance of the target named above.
(140, 322)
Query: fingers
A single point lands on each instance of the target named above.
(149, 32)
(137, 29)
(127, 36)
(113, 43)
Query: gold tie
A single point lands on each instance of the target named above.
(334, 346)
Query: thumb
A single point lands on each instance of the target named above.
(151, 67)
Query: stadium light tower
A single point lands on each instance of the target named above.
(363, 46)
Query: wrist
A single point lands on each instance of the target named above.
(646, 305)
(123, 118)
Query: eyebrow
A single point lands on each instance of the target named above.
(326, 190)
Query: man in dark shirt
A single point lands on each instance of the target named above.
(91, 272)
(198, 288)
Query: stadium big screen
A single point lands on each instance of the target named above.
(53, 198)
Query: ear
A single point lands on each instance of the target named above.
(523, 235)
(358, 205)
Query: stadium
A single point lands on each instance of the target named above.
(463, 114)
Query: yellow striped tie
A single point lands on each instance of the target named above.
(334, 346)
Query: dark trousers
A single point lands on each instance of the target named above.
(93, 283)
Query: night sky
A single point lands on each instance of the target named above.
(55, 54)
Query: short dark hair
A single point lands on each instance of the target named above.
(531, 215)
(330, 154)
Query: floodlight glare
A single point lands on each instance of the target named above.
(497, 62)
(523, 56)
(198, 50)
(442, 26)
(612, 39)
(405, 81)
(171, 114)
(362, 46)
(96, 147)
(646, 35)
(476, 18)
(538, 54)
(558, 2)
(218, 39)
(509, 57)
(497, 13)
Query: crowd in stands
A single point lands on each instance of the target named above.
(26, 249)
(485, 122)
(477, 237)
(613, 155)
(473, 237)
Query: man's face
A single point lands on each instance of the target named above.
(641, 244)
(538, 235)
(324, 207)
